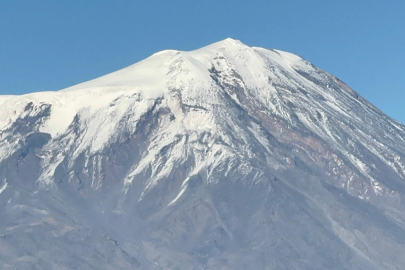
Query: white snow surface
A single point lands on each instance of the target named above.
(153, 77)
(184, 79)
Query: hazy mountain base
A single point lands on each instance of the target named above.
(261, 192)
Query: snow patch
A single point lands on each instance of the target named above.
(5, 184)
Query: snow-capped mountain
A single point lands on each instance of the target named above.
(226, 157)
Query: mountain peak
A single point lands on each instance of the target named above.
(230, 42)
(161, 65)
(198, 76)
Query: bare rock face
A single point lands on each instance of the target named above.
(227, 157)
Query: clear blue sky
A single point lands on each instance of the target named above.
(50, 45)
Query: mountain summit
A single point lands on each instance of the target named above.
(226, 157)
